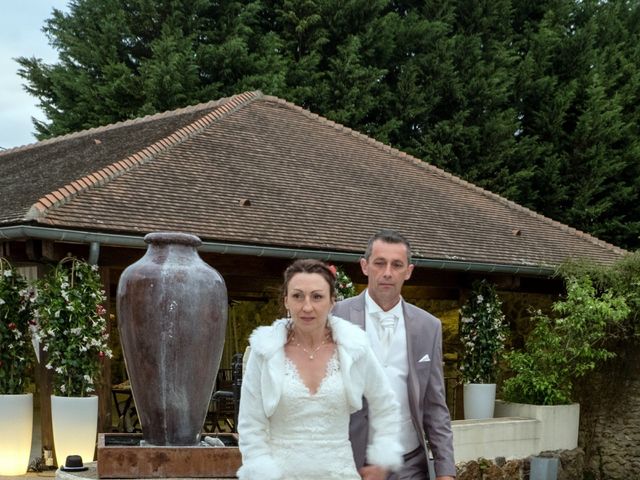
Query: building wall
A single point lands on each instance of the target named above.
(610, 419)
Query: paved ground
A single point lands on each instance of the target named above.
(28, 475)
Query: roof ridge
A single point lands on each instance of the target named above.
(123, 123)
(439, 171)
(223, 107)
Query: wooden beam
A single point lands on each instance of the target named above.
(44, 383)
(104, 388)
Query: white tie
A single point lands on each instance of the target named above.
(387, 328)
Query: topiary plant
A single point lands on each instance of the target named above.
(482, 334)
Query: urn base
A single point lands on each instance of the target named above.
(122, 456)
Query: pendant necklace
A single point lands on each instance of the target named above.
(312, 354)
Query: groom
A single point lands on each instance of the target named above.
(408, 343)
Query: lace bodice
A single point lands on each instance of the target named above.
(310, 432)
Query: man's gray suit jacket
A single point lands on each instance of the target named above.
(425, 384)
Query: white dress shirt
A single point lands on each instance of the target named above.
(394, 360)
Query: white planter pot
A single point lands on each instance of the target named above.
(559, 424)
(479, 400)
(75, 426)
(16, 426)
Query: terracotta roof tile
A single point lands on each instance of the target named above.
(311, 183)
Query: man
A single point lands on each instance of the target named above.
(408, 342)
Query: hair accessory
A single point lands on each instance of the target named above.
(333, 269)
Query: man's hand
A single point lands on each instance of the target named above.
(373, 472)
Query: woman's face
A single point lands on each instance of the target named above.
(309, 301)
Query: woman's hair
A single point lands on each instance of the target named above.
(309, 266)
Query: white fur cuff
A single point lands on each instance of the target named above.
(388, 455)
(261, 468)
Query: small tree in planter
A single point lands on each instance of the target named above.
(558, 353)
(16, 359)
(482, 334)
(73, 332)
(16, 354)
(71, 326)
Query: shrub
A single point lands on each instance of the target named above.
(559, 351)
(16, 352)
(71, 326)
(482, 334)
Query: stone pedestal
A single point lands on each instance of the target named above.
(122, 456)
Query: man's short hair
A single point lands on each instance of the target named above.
(388, 236)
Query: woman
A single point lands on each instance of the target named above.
(304, 377)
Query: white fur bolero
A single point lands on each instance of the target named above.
(362, 377)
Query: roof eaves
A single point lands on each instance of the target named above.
(271, 251)
(64, 194)
(438, 171)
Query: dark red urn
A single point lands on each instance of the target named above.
(172, 315)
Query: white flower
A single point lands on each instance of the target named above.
(59, 370)
(2, 302)
(7, 273)
(88, 379)
(480, 298)
(48, 366)
(63, 388)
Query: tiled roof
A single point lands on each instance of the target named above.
(257, 170)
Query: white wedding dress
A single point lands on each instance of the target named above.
(309, 433)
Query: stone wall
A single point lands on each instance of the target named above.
(610, 419)
(570, 467)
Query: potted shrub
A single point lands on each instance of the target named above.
(482, 335)
(16, 359)
(559, 352)
(72, 330)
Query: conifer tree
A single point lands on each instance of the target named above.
(537, 101)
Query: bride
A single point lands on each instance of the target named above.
(305, 375)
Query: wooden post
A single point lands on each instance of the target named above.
(44, 382)
(104, 388)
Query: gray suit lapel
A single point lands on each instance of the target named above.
(356, 313)
(413, 348)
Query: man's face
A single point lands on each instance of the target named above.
(386, 269)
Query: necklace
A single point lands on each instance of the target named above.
(311, 354)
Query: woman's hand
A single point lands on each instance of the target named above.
(373, 472)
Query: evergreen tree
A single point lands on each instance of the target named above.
(538, 101)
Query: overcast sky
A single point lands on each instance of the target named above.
(21, 35)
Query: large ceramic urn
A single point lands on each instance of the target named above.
(172, 315)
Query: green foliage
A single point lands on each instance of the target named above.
(537, 101)
(560, 351)
(623, 277)
(482, 334)
(344, 286)
(71, 326)
(16, 352)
